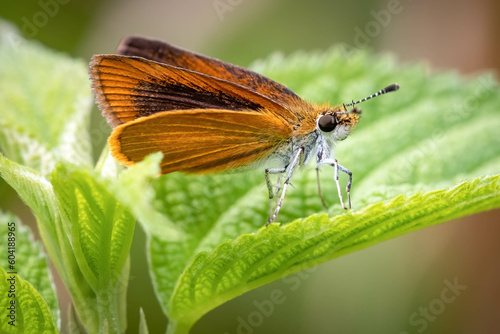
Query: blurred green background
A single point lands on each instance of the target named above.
(372, 291)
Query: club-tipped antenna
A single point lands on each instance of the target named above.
(387, 89)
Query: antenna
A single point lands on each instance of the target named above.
(387, 89)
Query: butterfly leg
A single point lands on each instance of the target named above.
(349, 183)
(291, 168)
(270, 185)
(335, 164)
(319, 189)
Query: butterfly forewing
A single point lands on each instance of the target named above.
(131, 87)
(168, 54)
(200, 140)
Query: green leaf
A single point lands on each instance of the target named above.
(44, 118)
(29, 260)
(133, 188)
(198, 205)
(100, 240)
(436, 132)
(252, 260)
(32, 314)
(39, 195)
(103, 235)
(87, 233)
(45, 104)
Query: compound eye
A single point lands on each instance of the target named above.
(327, 123)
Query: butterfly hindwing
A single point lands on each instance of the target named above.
(200, 140)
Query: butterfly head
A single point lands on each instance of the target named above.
(340, 121)
(338, 124)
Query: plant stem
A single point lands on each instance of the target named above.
(175, 327)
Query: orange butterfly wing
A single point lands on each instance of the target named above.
(131, 87)
(203, 114)
(168, 54)
(200, 140)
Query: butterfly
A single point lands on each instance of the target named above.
(209, 116)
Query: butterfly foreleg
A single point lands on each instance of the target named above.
(338, 167)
